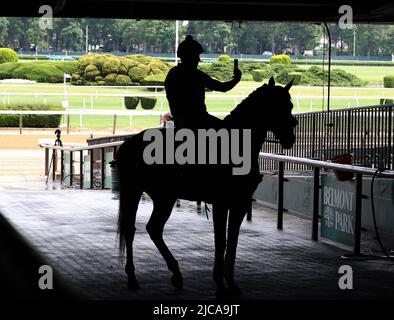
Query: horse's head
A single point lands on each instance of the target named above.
(277, 112)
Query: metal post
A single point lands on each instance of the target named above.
(68, 124)
(114, 124)
(357, 224)
(61, 166)
(102, 169)
(329, 67)
(91, 168)
(81, 169)
(54, 164)
(46, 161)
(280, 194)
(315, 214)
(389, 136)
(20, 123)
(71, 168)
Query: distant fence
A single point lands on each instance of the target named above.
(82, 112)
(365, 132)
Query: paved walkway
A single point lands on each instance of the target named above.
(76, 231)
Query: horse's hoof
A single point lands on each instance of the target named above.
(177, 281)
(234, 291)
(221, 291)
(132, 284)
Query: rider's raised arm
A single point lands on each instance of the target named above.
(216, 85)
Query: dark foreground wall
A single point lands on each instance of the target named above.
(19, 269)
(298, 195)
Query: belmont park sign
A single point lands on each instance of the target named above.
(338, 210)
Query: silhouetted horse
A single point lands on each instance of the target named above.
(267, 108)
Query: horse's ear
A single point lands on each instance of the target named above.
(271, 82)
(288, 86)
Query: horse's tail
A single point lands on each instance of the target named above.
(130, 190)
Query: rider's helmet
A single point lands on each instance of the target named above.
(189, 47)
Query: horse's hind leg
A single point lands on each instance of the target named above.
(129, 205)
(236, 217)
(220, 213)
(161, 212)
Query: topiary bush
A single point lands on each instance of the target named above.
(248, 67)
(246, 77)
(259, 75)
(31, 121)
(131, 102)
(314, 76)
(148, 102)
(222, 71)
(134, 67)
(154, 80)
(91, 72)
(224, 58)
(388, 81)
(281, 59)
(122, 80)
(138, 73)
(296, 77)
(111, 65)
(8, 55)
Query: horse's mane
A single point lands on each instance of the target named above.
(242, 113)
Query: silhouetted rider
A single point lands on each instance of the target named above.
(185, 88)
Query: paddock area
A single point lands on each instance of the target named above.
(76, 231)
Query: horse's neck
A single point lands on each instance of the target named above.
(241, 118)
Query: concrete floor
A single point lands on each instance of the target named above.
(76, 231)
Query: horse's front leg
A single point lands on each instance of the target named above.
(236, 217)
(220, 213)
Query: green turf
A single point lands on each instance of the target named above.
(352, 97)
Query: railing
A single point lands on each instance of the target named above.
(85, 112)
(70, 166)
(70, 173)
(365, 132)
(317, 165)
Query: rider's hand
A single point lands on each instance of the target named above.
(237, 74)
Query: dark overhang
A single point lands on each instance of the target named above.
(377, 11)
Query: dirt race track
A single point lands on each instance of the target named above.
(21, 156)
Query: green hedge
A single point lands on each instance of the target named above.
(40, 71)
(259, 75)
(154, 80)
(131, 102)
(388, 81)
(224, 58)
(296, 77)
(8, 55)
(148, 102)
(222, 71)
(386, 101)
(280, 58)
(31, 121)
(248, 67)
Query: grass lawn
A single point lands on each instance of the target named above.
(302, 100)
